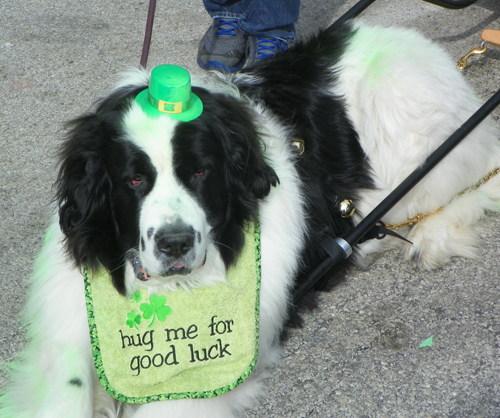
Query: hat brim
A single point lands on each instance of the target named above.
(193, 112)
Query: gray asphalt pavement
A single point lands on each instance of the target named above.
(358, 355)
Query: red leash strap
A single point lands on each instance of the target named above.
(147, 35)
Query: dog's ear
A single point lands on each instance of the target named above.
(245, 163)
(84, 192)
(247, 173)
(84, 187)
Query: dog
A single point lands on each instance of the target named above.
(161, 204)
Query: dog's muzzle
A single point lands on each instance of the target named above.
(169, 251)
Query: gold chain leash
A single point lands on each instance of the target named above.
(420, 216)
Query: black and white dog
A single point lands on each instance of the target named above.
(369, 105)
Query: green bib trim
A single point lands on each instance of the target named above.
(175, 345)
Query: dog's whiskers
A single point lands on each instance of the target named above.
(224, 245)
(125, 259)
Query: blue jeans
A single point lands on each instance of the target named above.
(268, 18)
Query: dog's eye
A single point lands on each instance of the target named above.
(200, 172)
(136, 180)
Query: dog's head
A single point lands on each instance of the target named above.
(158, 193)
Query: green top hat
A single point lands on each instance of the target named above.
(170, 94)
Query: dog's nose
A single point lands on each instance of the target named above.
(174, 245)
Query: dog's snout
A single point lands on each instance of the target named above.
(175, 244)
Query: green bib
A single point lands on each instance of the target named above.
(174, 345)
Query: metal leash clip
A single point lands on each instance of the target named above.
(490, 36)
(478, 50)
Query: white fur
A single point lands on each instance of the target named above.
(403, 104)
(168, 202)
(60, 344)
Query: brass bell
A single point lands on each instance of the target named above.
(345, 208)
(298, 146)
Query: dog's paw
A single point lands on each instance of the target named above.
(454, 232)
(436, 242)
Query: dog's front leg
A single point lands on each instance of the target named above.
(228, 405)
(55, 374)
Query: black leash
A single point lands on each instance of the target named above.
(148, 34)
(342, 247)
(352, 12)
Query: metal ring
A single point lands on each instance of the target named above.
(346, 247)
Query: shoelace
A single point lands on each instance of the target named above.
(226, 27)
(268, 47)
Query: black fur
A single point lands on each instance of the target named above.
(225, 143)
(97, 206)
(295, 86)
(99, 211)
